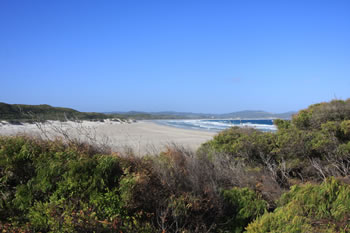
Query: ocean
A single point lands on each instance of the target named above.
(217, 125)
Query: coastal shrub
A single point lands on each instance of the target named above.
(315, 115)
(292, 143)
(279, 154)
(57, 187)
(309, 208)
(282, 124)
(245, 144)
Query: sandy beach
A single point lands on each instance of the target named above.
(143, 136)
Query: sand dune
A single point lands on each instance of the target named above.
(143, 137)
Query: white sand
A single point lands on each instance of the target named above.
(143, 137)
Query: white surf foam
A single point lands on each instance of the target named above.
(214, 125)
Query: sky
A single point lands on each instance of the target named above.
(181, 55)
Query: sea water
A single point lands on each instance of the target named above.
(217, 125)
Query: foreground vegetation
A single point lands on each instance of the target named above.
(294, 180)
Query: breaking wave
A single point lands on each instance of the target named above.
(219, 125)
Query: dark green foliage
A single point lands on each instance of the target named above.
(282, 124)
(246, 207)
(345, 129)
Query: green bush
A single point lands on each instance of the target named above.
(245, 144)
(62, 188)
(309, 208)
(317, 114)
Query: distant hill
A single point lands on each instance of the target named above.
(23, 112)
(155, 115)
(248, 114)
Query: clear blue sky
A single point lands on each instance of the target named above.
(200, 56)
